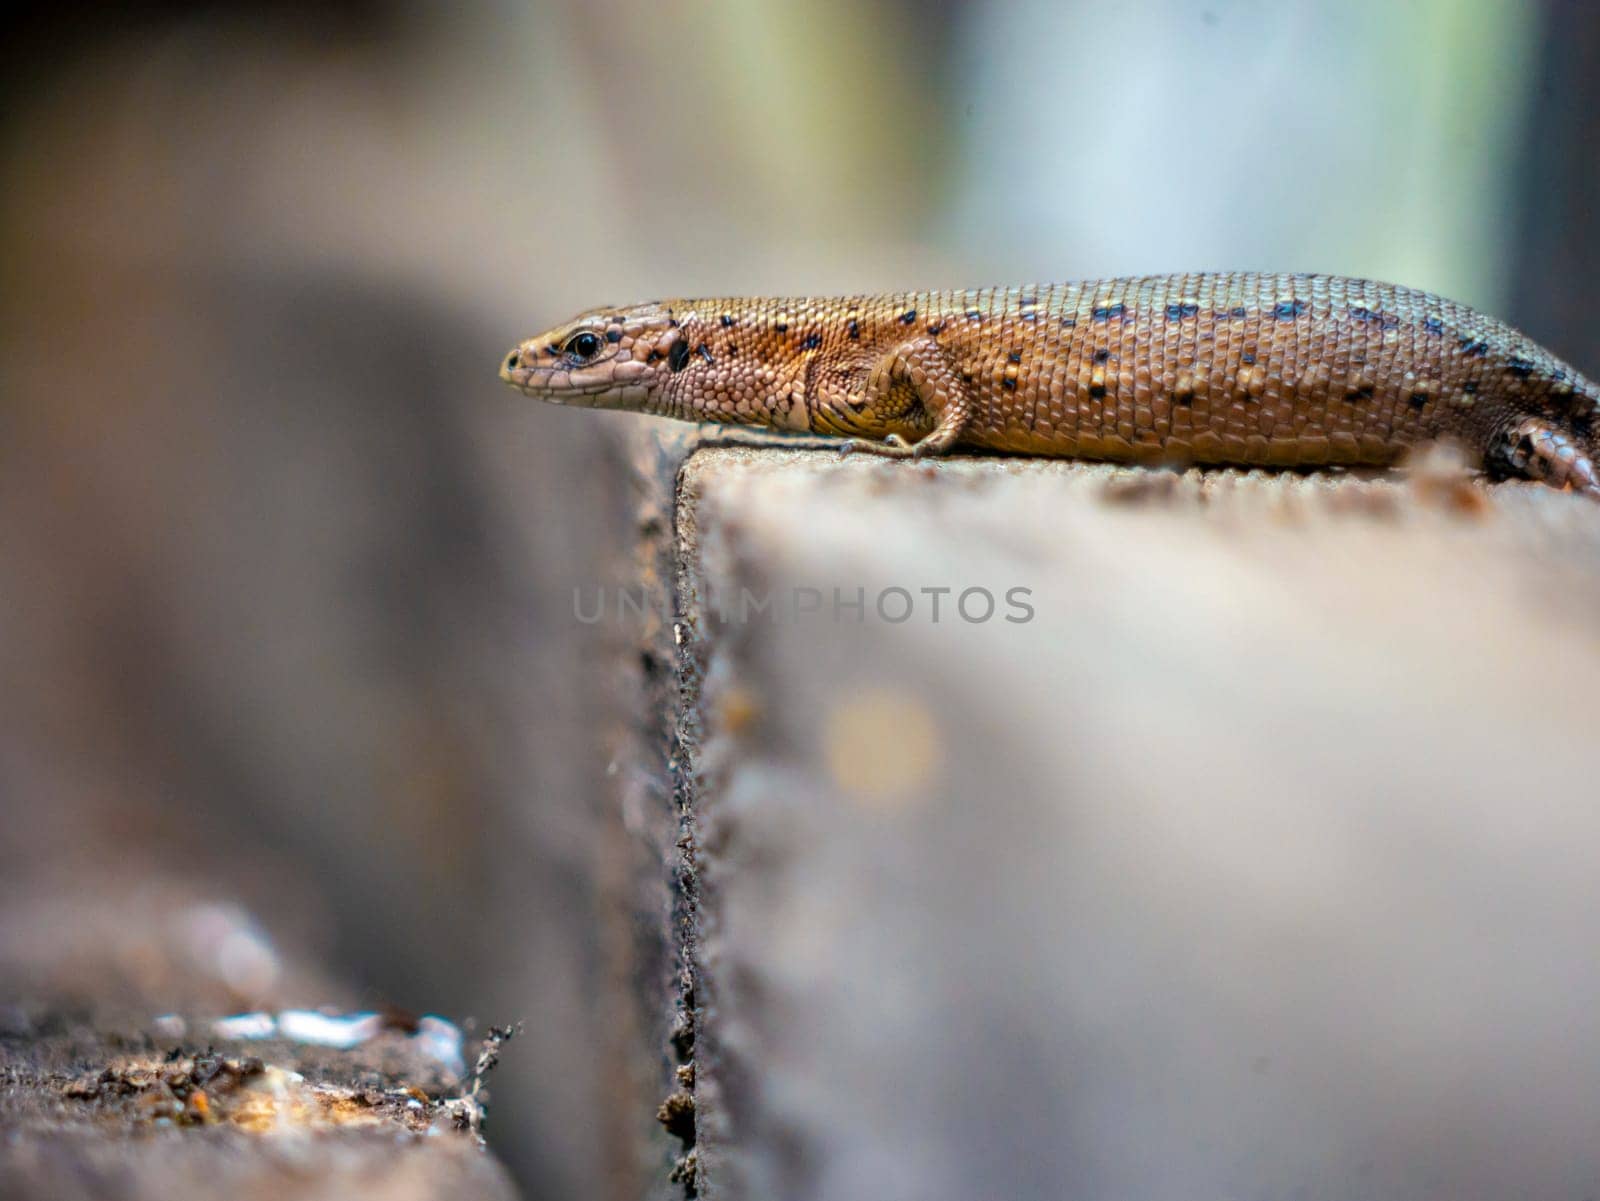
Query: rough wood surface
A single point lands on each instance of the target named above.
(1259, 862)
(96, 1111)
(125, 1071)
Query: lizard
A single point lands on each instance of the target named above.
(1222, 369)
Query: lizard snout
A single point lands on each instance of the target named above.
(513, 369)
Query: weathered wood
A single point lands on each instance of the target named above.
(105, 1095)
(1257, 861)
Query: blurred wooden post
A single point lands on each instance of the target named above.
(1556, 251)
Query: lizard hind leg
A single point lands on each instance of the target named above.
(943, 436)
(939, 390)
(1539, 449)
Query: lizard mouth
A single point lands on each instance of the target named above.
(557, 385)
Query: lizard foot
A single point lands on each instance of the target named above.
(892, 447)
(1538, 449)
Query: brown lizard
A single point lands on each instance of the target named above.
(1237, 369)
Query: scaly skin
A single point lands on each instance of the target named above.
(1241, 369)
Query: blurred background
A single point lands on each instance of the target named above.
(285, 572)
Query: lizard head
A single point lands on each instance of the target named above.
(611, 358)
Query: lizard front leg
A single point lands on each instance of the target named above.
(911, 386)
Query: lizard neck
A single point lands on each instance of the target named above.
(725, 363)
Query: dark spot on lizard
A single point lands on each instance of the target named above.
(1519, 367)
(1359, 394)
(1373, 317)
(733, 351)
(1186, 397)
(1029, 302)
(1288, 310)
(1107, 312)
(1248, 358)
(1101, 356)
(704, 353)
(678, 355)
(1418, 400)
(1176, 312)
(854, 329)
(1433, 325)
(782, 327)
(613, 335)
(1473, 348)
(1558, 376)
(1240, 311)
(726, 320)
(1097, 390)
(1470, 387)
(1069, 323)
(1030, 315)
(1009, 382)
(811, 342)
(1014, 357)
(936, 329)
(907, 317)
(653, 357)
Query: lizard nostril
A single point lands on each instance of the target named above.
(511, 360)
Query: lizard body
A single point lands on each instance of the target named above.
(1237, 369)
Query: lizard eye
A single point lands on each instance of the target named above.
(583, 345)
